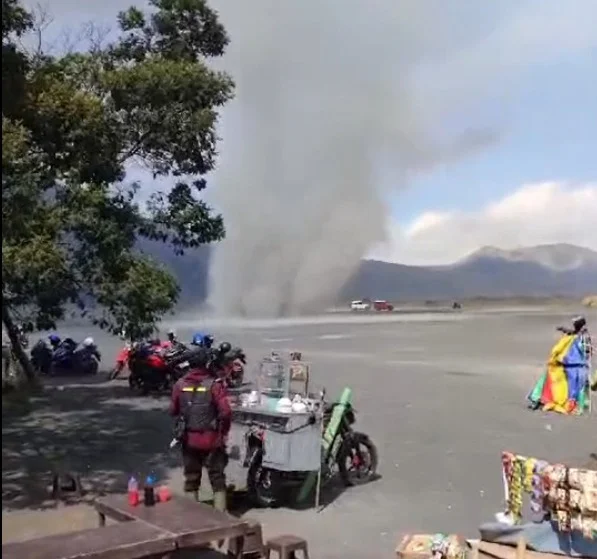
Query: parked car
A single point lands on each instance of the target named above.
(360, 306)
(383, 306)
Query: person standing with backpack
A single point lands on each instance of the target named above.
(200, 402)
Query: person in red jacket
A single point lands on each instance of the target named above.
(200, 399)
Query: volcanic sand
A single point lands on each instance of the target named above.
(441, 395)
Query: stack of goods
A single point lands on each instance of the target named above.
(568, 495)
(431, 546)
(571, 498)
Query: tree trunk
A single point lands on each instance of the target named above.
(17, 348)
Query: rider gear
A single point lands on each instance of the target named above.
(88, 342)
(209, 439)
(204, 448)
(197, 407)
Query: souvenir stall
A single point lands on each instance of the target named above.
(563, 505)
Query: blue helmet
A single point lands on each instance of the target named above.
(54, 338)
(202, 339)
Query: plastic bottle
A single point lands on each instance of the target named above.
(133, 492)
(149, 492)
(164, 494)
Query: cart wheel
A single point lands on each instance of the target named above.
(357, 460)
(263, 484)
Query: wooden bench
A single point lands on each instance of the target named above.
(125, 540)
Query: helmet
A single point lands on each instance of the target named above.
(202, 339)
(88, 342)
(239, 354)
(171, 333)
(227, 354)
(578, 323)
(54, 338)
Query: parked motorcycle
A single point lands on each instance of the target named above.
(352, 455)
(155, 369)
(67, 358)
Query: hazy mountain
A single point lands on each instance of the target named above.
(560, 257)
(545, 270)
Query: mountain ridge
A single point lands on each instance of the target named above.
(557, 269)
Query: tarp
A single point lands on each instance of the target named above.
(564, 386)
(542, 537)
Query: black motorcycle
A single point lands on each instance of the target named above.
(352, 455)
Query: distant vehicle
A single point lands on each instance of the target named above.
(383, 306)
(360, 306)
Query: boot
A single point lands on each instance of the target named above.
(220, 498)
(194, 495)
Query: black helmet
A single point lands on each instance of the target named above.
(226, 354)
(578, 323)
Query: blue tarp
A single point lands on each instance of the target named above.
(542, 537)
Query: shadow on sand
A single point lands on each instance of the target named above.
(100, 431)
(94, 429)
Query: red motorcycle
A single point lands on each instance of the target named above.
(122, 361)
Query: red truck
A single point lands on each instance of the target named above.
(382, 306)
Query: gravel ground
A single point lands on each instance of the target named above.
(441, 396)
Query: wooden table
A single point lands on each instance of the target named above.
(191, 524)
(126, 540)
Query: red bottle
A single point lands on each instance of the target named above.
(133, 492)
(164, 494)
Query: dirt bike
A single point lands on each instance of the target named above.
(354, 459)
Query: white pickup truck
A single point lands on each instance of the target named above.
(360, 306)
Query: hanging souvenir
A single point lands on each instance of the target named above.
(574, 499)
(537, 492)
(588, 501)
(563, 520)
(529, 469)
(516, 490)
(589, 527)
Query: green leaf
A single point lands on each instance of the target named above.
(71, 126)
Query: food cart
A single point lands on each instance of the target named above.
(277, 429)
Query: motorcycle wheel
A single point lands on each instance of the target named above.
(136, 384)
(357, 460)
(263, 484)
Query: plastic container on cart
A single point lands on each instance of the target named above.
(280, 377)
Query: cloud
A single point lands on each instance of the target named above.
(541, 213)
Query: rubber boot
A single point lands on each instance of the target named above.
(220, 498)
(194, 495)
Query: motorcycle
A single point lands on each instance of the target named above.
(67, 358)
(155, 369)
(352, 455)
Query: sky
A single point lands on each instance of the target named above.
(522, 73)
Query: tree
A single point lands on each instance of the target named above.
(71, 125)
